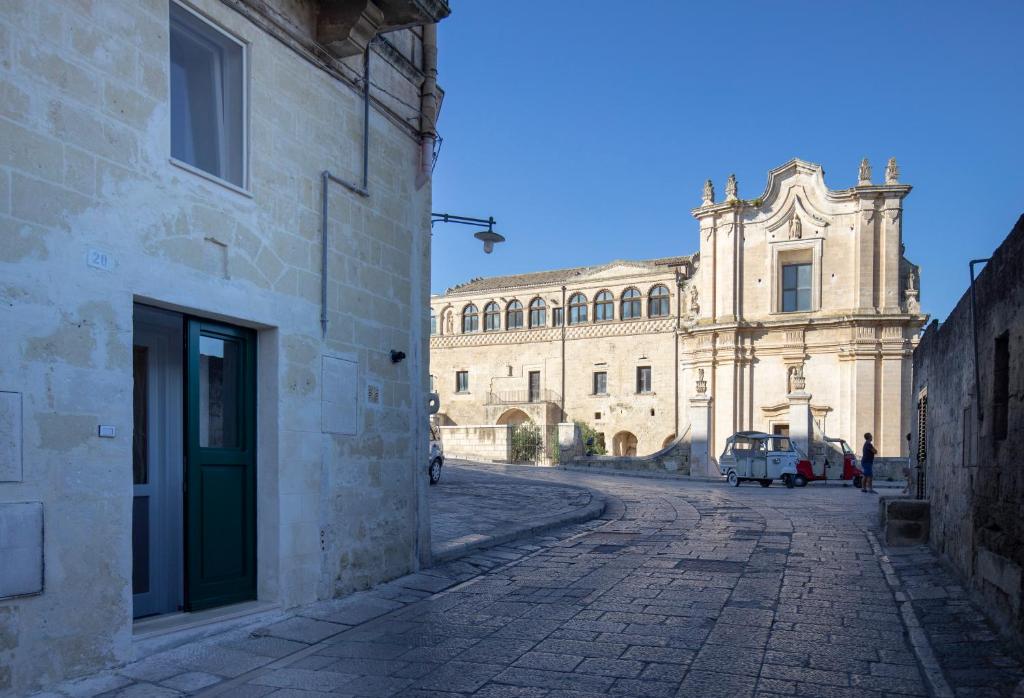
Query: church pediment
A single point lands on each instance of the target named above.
(615, 270)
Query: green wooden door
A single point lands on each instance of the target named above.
(220, 481)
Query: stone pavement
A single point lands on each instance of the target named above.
(680, 589)
(472, 508)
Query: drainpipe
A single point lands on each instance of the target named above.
(565, 319)
(974, 331)
(326, 178)
(428, 104)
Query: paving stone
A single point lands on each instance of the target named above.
(306, 679)
(301, 629)
(191, 681)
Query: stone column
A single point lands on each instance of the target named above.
(800, 420)
(700, 429)
(568, 436)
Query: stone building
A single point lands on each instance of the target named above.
(214, 230)
(797, 315)
(968, 388)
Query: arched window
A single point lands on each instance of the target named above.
(433, 322)
(657, 302)
(492, 317)
(538, 313)
(604, 307)
(514, 316)
(470, 319)
(631, 306)
(577, 308)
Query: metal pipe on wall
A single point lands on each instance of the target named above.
(428, 104)
(326, 178)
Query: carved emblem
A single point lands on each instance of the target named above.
(892, 172)
(709, 193)
(864, 176)
(702, 385)
(796, 378)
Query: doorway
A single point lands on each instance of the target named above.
(193, 463)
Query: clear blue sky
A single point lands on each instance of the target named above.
(587, 127)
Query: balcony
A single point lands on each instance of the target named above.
(522, 397)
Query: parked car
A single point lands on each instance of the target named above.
(436, 455)
(759, 457)
(839, 463)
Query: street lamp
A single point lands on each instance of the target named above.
(488, 237)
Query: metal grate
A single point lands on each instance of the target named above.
(922, 444)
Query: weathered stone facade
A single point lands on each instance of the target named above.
(740, 346)
(971, 436)
(97, 220)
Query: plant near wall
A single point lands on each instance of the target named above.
(592, 441)
(527, 443)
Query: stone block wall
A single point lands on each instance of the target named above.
(94, 218)
(971, 438)
(484, 442)
(674, 459)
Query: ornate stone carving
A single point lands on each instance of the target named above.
(892, 172)
(796, 228)
(709, 193)
(796, 380)
(864, 177)
(702, 385)
(448, 328)
(731, 189)
(694, 304)
(911, 280)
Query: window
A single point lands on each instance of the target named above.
(207, 97)
(796, 288)
(600, 383)
(1001, 388)
(492, 317)
(470, 319)
(657, 302)
(433, 322)
(604, 307)
(557, 317)
(643, 379)
(538, 313)
(630, 304)
(514, 319)
(577, 309)
(462, 381)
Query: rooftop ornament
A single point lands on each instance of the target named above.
(488, 237)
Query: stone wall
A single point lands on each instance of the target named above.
(674, 459)
(94, 217)
(972, 465)
(489, 443)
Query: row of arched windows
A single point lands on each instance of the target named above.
(630, 307)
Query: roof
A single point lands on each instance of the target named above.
(558, 276)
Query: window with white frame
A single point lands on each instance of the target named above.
(643, 379)
(600, 382)
(462, 381)
(207, 97)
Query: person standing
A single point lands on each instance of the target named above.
(867, 464)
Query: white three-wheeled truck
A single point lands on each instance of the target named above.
(759, 457)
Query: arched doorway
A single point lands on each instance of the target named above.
(668, 440)
(624, 444)
(513, 416)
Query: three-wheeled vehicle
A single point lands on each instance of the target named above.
(839, 463)
(760, 457)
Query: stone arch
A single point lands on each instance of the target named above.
(514, 416)
(624, 444)
(668, 440)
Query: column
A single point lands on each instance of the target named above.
(700, 446)
(800, 419)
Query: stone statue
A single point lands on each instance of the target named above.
(709, 193)
(911, 280)
(913, 304)
(796, 379)
(796, 228)
(892, 172)
(702, 385)
(731, 189)
(448, 323)
(865, 173)
(694, 305)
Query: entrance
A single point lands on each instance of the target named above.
(194, 463)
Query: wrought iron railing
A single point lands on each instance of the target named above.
(521, 397)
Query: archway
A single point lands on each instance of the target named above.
(513, 416)
(624, 444)
(668, 440)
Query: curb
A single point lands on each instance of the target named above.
(454, 551)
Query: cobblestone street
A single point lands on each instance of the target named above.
(681, 588)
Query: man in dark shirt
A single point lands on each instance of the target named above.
(867, 464)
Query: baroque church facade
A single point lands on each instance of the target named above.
(797, 315)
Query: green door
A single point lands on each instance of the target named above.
(220, 478)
